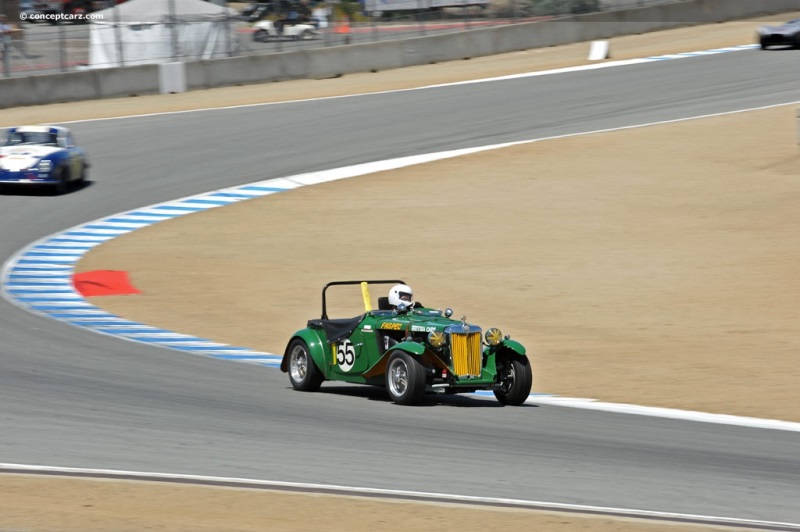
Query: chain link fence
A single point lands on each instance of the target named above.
(47, 45)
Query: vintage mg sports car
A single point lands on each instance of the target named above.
(409, 349)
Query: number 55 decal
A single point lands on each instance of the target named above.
(345, 355)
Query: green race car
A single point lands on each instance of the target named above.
(409, 349)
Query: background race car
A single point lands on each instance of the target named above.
(41, 155)
(787, 34)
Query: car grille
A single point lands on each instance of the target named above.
(466, 352)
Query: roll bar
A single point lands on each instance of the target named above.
(339, 283)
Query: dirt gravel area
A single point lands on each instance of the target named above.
(664, 279)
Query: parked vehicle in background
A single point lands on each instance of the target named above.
(267, 30)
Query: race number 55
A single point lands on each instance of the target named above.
(346, 355)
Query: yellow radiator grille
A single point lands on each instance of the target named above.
(466, 351)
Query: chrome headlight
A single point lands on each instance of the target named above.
(437, 339)
(44, 165)
(493, 336)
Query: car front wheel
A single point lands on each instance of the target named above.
(405, 379)
(62, 185)
(516, 381)
(303, 373)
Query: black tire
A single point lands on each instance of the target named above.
(405, 379)
(307, 35)
(261, 36)
(516, 379)
(82, 177)
(304, 374)
(62, 185)
(763, 43)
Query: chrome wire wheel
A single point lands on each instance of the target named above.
(298, 363)
(405, 378)
(398, 377)
(303, 372)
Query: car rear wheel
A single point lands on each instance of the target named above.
(405, 379)
(516, 381)
(303, 372)
(261, 36)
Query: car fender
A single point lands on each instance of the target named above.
(379, 368)
(316, 348)
(410, 347)
(514, 346)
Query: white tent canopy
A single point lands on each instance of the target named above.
(139, 32)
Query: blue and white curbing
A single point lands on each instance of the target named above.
(39, 278)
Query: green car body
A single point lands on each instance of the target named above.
(409, 351)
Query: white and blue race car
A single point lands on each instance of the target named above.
(41, 155)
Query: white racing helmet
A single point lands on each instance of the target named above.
(401, 294)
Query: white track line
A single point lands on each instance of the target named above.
(355, 491)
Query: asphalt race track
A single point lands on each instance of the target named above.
(72, 398)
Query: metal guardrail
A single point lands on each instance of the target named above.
(45, 48)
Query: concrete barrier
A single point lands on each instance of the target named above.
(83, 85)
(373, 57)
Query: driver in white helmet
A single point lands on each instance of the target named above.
(401, 294)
